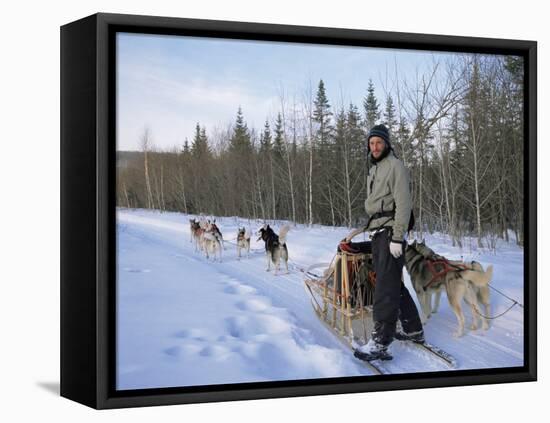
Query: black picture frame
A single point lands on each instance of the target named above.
(88, 266)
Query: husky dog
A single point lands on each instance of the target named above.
(462, 281)
(216, 230)
(425, 295)
(275, 246)
(243, 242)
(212, 242)
(192, 223)
(197, 232)
(196, 228)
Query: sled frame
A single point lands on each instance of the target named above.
(332, 299)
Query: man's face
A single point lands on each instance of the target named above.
(377, 146)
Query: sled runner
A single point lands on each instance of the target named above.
(342, 295)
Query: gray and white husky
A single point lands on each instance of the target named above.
(212, 241)
(463, 281)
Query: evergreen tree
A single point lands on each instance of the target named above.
(341, 173)
(372, 109)
(204, 138)
(456, 134)
(241, 166)
(403, 136)
(278, 141)
(201, 157)
(322, 114)
(327, 159)
(358, 170)
(354, 132)
(240, 142)
(390, 119)
(200, 149)
(265, 140)
(186, 150)
(514, 98)
(182, 194)
(514, 65)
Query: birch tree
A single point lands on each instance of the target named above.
(145, 147)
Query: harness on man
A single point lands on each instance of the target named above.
(390, 214)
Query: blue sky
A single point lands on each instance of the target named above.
(169, 83)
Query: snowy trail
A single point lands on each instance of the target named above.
(184, 320)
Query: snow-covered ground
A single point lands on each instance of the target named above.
(185, 321)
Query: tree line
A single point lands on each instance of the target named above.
(458, 127)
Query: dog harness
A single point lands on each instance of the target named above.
(439, 266)
(446, 268)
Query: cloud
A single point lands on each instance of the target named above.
(171, 83)
(171, 105)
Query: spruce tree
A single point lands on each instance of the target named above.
(186, 150)
(240, 143)
(265, 140)
(358, 170)
(241, 165)
(354, 132)
(278, 141)
(390, 119)
(340, 133)
(200, 149)
(325, 149)
(403, 137)
(372, 109)
(322, 114)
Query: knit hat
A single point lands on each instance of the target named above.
(380, 131)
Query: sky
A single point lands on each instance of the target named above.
(168, 83)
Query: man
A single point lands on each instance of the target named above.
(388, 207)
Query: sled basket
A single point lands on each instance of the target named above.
(342, 296)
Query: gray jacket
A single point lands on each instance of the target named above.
(388, 187)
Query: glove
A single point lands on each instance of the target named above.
(396, 249)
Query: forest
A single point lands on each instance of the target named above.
(458, 127)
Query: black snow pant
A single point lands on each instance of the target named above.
(392, 300)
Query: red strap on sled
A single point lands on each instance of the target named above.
(372, 278)
(347, 248)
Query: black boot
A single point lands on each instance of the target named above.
(373, 351)
(417, 337)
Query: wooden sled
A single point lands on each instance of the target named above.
(342, 294)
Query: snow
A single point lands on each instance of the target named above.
(183, 320)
